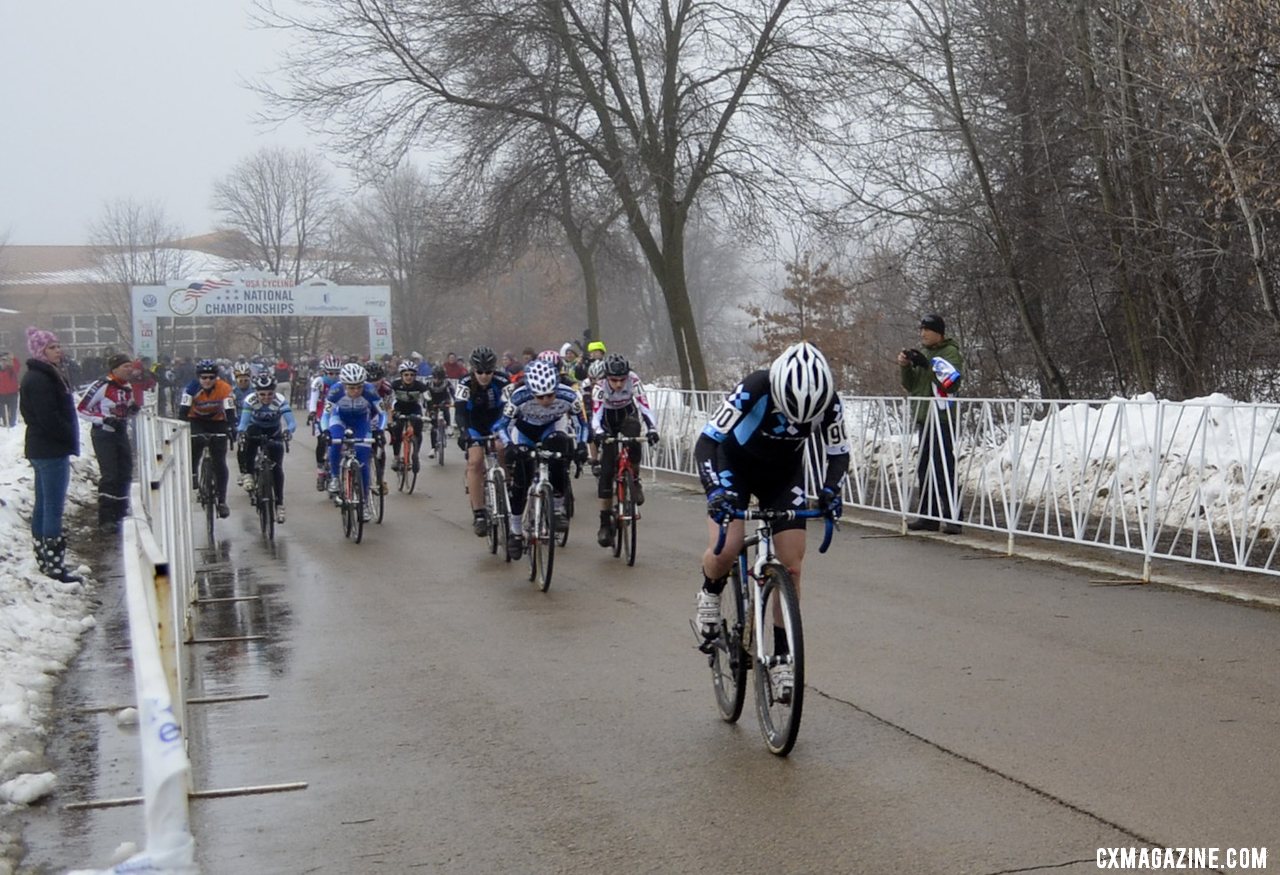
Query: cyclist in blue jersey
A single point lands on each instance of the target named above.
(265, 415)
(755, 446)
(536, 413)
(478, 402)
(353, 404)
(321, 384)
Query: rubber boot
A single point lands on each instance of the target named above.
(57, 551)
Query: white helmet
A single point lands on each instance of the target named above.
(352, 373)
(595, 370)
(540, 377)
(801, 383)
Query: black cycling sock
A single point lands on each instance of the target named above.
(780, 645)
(713, 586)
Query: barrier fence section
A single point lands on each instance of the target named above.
(1192, 481)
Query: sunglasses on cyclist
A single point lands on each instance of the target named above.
(480, 373)
(543, 397)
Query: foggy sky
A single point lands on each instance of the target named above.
(104, 99)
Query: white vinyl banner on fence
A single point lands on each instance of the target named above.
(165, 768)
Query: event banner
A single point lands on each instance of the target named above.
(259, 295)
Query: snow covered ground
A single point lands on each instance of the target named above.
(41, 621)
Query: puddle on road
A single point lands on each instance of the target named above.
(242, 591)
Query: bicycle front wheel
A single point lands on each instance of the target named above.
(501, 521)
(544, 557)
(207, 490)
(406, 459)
(779, 662)
(350, 509)
(377, 494)
(728, 659)
(627, 523)
(442, 436)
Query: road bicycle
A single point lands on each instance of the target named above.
(760, 599)
(263, 495)
(440, 429)
(539, 518)
(206, 479)
(625, 512)
(407, 473)
(497, 502)
(351, 486)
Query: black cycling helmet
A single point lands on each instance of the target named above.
(374, 370)
(437, 374)
(265, 380)
(616, 365)
(483, 358)
(205, 367)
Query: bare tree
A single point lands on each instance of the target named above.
(670, 100)
(280, 205)
(134, 245)
(392, 229)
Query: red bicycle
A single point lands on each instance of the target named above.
(625, 512)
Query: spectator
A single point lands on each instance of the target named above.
(454, 369)
(933, 372)
(509, 363)
(107, 405)
(53, 437)
(10, 373)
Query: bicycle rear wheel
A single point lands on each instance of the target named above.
(442, 436)
(728, 659)
(628, 520)
(779, 708)
(544, 557)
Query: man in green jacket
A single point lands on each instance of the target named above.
(933, 372)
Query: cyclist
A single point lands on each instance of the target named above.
(439, 398)
(595, 377)
(534, 414)
(377, 377)
(754, 445)
(617, 407)
(321, 384)
(241, 391)
(266, 415)
(479, 402)
(352, 405)
(208, 404)
(406, 393)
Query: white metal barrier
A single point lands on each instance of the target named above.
(166, 769)
(1192, 481)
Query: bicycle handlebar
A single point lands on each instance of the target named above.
(206, 437)
(770, 515)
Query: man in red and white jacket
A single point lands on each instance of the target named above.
(108, 404)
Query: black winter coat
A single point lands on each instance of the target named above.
(49, 410)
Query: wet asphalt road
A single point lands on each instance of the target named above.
(965, 713)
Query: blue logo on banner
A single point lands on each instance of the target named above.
(149, 300)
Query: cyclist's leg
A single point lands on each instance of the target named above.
(363, 455)
(277, 456)
(335, 448)
(788, 535)
(394, 430)
(197, 450)
(604, 484)
(521, 475)
(244, 455)
(417, 439)
(219, 451)
(475, 475)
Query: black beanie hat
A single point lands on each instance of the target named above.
(933, 322)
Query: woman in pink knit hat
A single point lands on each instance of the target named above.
(53, 437)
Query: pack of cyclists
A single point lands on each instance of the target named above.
(563, 399)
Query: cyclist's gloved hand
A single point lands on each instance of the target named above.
(830, 502)
(720, 504)
(652, 438)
